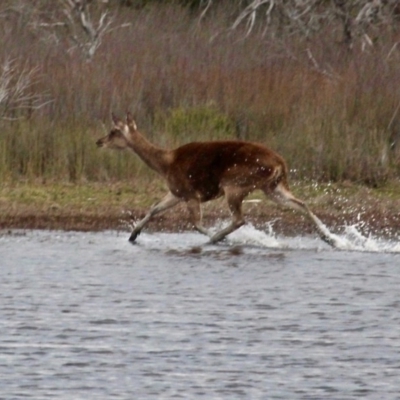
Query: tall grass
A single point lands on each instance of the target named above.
(184, 80)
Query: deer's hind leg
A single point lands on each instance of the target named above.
(167, 202)
(194, 208)
(282, 195)
(234, 197)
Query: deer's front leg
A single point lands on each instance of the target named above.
(234, 197)
(167, 202)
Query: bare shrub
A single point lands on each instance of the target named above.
(17, 90)
(360, 20)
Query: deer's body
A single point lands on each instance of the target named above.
(201, 171)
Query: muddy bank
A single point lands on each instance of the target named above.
(96, 207)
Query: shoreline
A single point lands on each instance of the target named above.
(98, 207)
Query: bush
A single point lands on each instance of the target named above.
(187, 124)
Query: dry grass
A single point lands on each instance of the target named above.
(333, 119)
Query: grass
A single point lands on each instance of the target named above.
(70, 206)
(76, 197)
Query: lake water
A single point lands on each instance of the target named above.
(90, 316)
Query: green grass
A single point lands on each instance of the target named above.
(70, 196)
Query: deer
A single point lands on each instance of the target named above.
(198, 172)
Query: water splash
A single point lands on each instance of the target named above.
(351, 239)
(249, 235)
(355, 240)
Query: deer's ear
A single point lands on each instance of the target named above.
(116, 121)
(130, 121)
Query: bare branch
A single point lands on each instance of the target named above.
(359, 18)
(318, 68)
(392, 50)
(206, 8)
(250, 13)
(17, 90)
(80, 26)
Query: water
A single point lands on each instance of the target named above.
(90, 316)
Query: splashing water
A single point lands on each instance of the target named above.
(355, 240)
(350, 240)
(249, 235)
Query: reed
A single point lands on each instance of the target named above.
(333, 113)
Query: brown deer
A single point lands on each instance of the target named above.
(201, 171)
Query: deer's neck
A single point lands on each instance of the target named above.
(155, 157)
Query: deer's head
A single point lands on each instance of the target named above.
(119, 137)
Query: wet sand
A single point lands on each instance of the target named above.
(371, 217)
(117, 206)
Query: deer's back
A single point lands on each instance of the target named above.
(205, 168)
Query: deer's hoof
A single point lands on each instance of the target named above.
(330, 241)
(215, 239)
(133, 236)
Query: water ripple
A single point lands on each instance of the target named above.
(86, 315)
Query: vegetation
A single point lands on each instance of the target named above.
(330, 108)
